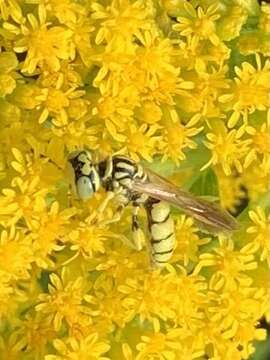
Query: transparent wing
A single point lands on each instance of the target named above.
(209, 215)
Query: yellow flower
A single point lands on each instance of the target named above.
(89, 236)
(149, 297)
(260, 145)
(188, 241)
(82, 31)
(47, 231)
(117, 111)
(239, 310)
(141, 141)
(155, 59)
(250, 90)
(74, 135)
(8, 63)
(227, 150)
(120, 20)
(260, 232)
(24, 205)
(64, 301)
(16, 254)
(59, 99)
(66, 11)
(158, 345)
(209, 85)
(230, 266)
(31, 167)
(198, 23)
(231, 190)
(176, 137)
(88, 348)
(45, 45)
(35, 331)
(177, 343)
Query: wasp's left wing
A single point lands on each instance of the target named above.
(209, 215)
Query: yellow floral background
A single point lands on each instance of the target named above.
(183, 87)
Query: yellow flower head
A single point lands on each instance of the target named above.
(198, 23)
(45, 45)
(229, 151)
(260, 232)
(245, 99)
(16, 254)
(88, 348)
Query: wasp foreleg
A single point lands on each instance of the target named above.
(102, 206)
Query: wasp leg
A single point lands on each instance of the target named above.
(116, 217)
(137, 233)
(109, 196)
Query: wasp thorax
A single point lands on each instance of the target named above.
(85, 179)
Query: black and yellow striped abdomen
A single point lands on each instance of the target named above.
(161, 228)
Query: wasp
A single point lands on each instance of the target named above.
(130, 183)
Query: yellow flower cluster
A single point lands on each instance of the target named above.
(181, 84)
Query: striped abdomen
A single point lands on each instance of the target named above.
(161, 227)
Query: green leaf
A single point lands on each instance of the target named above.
(206, 184)
(262, 351)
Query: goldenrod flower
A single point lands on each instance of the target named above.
(8, 63)
(176, 137)
(244, 98)
(142, 141)
(260, 232)
(64, 301)
(16, 255)
(189, 242)
(24, 204)
(120, 20)
(43, 44)
(227, 150)
(230, 266)
(261, 145)
(199, 24)
(88, 348)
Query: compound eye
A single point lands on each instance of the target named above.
(84, 188)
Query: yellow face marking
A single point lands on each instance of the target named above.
(84, 157)
(86, 169)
